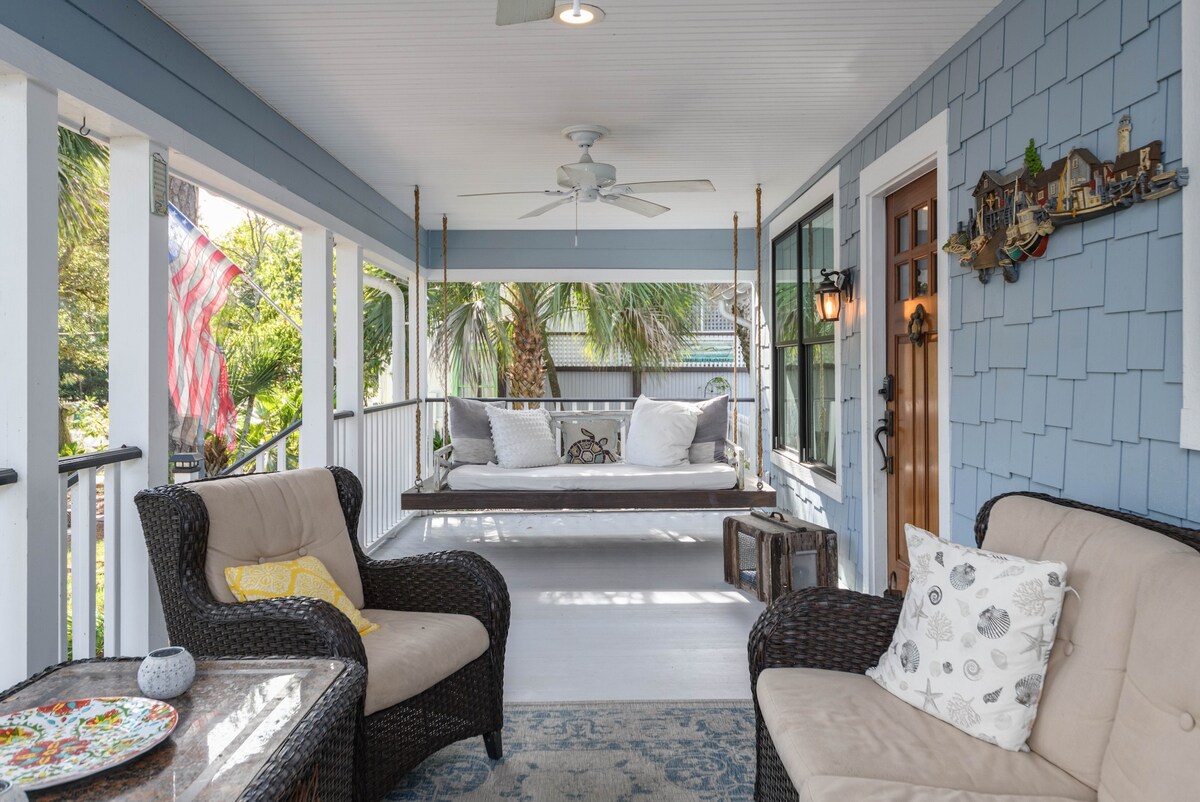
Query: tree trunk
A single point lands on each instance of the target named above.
(551, 371)
(527, 373)
(185, 197)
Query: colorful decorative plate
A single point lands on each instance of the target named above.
(57, 743)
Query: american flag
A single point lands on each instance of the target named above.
(196, 374)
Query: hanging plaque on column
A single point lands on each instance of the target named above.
(158, 184)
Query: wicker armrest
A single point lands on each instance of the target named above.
(292, 625)
(839, 630)
(442, 582)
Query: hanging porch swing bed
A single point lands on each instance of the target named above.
(716, 482)
(599, 485)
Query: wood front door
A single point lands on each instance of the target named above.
(912, 317)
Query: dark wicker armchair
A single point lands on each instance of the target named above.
(841, 630)
(393, 740)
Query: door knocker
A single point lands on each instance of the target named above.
(916, 325)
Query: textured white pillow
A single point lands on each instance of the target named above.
(660, 433)
(523, 438)
(974, 637)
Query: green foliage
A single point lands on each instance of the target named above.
(262, 349)
(648, 324)
(1033, 160)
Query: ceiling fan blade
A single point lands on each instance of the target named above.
(630, 203)
(538, 212)
(532, 192)
(642, 187)
(514, 12)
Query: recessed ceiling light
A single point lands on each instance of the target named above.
(588, 15)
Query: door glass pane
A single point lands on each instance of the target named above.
(903, 243)
(922, 267)
(903, 288)
(787, 397)
(922, 217)
(816, 255)
(821, 402)
(787, 324)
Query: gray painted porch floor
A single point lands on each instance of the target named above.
(607, 606)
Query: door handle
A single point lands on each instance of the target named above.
(886, 428)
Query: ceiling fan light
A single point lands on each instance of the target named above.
(588, 15)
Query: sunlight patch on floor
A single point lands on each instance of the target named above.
(631, 597)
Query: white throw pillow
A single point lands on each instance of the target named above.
(974, 637)
(523, 438)
(660, 433)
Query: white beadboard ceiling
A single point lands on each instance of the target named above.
(433, 92)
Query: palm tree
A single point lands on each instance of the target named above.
(493, 329)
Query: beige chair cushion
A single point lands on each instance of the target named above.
(411, 652)
(1106, 560)
(843, 789)
(1154, 750)
(844, 725)
(274, 517)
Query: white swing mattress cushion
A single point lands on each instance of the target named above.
(609, 476)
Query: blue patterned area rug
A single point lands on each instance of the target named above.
(600, 752)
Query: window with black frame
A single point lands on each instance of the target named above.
(805, 399)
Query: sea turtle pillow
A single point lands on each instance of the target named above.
(974, 637)
(591, 442)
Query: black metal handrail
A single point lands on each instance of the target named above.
(261, 447)
(8, 476)
(97, 459)
(393, 405)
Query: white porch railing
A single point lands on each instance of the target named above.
(87, 626)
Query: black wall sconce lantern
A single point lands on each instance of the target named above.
(829, 293)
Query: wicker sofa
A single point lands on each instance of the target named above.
(1117, 719)
(435, 668)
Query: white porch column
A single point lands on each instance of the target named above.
(29, 509)
(316, 433)
(138, 399)
(350, 350)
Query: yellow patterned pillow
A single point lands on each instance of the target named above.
(306, 576)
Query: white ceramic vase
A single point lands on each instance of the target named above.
(166, 673)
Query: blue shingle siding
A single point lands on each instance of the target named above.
(1068, 381)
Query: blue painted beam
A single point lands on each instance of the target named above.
(662, 249)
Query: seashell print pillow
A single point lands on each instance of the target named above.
(974, 637)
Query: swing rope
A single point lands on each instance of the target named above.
(446, 343)
(758, 323)
(734, 307)
(416, 288)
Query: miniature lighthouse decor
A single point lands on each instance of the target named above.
(1016, 213)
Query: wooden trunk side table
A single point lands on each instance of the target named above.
(759, 554)
(249, 730)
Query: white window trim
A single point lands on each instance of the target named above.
(915, 155)
(1189, 418)
(829, 186)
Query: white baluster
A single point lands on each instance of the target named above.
(113, 535)
(64, 496)
(83, 566)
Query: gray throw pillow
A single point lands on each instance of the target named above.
(471, 432)
(591, 442)
(712, 427)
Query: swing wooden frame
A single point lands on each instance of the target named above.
(440, 498)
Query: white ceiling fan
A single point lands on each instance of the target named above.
(588, 181)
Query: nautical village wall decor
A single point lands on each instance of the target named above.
(1016, 213)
